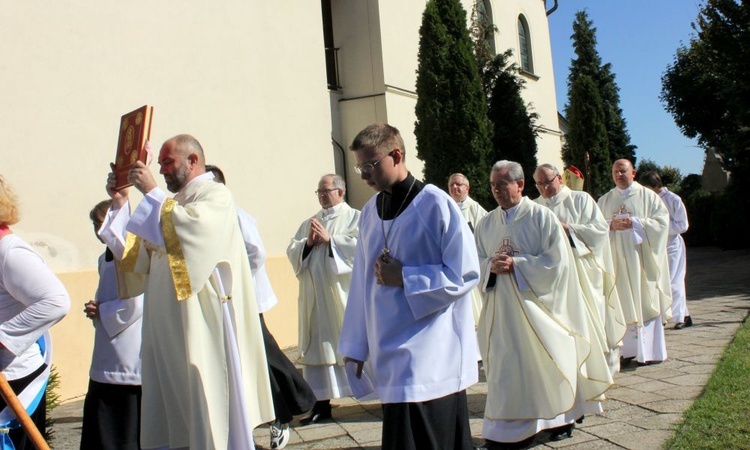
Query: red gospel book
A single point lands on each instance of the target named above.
(135, 130)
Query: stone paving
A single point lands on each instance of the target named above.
(642, 409)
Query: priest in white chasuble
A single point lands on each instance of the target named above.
(543, 369)
(198, 391)
(408, 315)
(322, 256)
(638, 232)
(458, 189)
(588, 234)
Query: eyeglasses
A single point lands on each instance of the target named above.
(545, 183)
(325, 191)
(368, 167)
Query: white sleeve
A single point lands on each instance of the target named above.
(30, 281)
(146, 219)
(117, 315)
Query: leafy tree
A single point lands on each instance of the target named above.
(513, 130)
(707, 86)
(589, 63)
(452, 129)
(671, 177)
(588, 136)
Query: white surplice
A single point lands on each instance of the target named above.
(324, 276)
(677, 252)
(418, 339)
(174, 247)
(542, 368)
(641, 268)
(589, 234)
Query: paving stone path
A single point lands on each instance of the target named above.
(642, 408)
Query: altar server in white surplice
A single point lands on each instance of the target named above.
(639, 226)
(322, 256)
(409, 310)
(543, 370)
(588, 233)
(678, 224)
(200, 389)
(458, 188)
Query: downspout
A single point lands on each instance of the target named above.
(551, 10)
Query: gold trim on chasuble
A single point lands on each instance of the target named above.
(177, 264)
(130, 254)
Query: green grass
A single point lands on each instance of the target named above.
(720, 418)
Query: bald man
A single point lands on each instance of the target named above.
(638, 231)
(202, 386)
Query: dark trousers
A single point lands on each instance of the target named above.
(440, 424)
(19, 437)
(111, 417)
(290, 392)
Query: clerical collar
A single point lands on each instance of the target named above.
(626, 191)
(401, 195)
(328, 212)
(510, 212)
(203, 176)
(556, 198)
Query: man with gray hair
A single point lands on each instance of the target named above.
(458, 189)
(588, 233)
(322, 256)
(638, 232)
(542, 369)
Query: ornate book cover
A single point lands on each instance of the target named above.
(135, 130)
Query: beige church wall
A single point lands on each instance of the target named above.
(539, 92)
(73, 337)
(357, 35)
(230, 74)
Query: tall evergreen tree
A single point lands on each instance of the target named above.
(588, 62)
(452, 129)
(514, 134)
(588, 135)
(513, 130)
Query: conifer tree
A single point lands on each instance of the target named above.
(452, 129)
(588, 135)
(514, 135)
(588, 62)
(513, 130)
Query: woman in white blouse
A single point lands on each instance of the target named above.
(32, 299)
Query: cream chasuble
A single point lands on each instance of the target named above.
(324, 284)
(640, 254)
(535, 327)
(589, 233)
(185, 377)
(473, 213)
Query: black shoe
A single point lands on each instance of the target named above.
(560, 433)
(679, 325)
(316, 417)
(320, 412)
(688, 321)
(580, 419)
(520, 445)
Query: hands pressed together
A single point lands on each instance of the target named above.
(501, 263)
(318, 234)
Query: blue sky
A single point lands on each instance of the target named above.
(639, 38)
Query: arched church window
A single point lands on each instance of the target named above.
(524, 44)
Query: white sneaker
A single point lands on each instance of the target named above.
(279, 435)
